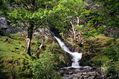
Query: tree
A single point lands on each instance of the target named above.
(49, 13)
(29, 12)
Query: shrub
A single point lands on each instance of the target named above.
(43, 68)
(108, 60)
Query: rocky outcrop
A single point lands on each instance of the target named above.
(6, 29)
(3, 25)
(84, 72)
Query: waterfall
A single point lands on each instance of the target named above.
(75, 55)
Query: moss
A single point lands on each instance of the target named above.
(12, 62)
(105, 54)
(8, 44)
(100, 60)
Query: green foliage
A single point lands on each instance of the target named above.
(109, 12)
(43, 68)
(11, 44)
(12, 62)
(94, 19)
(101, 60)
(61, 14)
(14, 65)
(108, 58)
(113, 71)
(112, 51)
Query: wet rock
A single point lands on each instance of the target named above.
(85, 72)
(3, 25)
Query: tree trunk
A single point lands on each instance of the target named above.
(73, 30)
(30, 28)
(29, 38)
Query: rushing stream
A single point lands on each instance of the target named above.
(75, 55)
(75, 71)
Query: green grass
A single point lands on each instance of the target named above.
(13, 59)
(11, 44)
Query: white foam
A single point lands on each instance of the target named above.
(75, 55)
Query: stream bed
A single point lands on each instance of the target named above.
(85, 72)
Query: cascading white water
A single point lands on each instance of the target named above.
(75, 55)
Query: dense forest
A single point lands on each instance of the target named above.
(28, 49)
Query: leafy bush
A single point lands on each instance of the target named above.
(43, 68)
